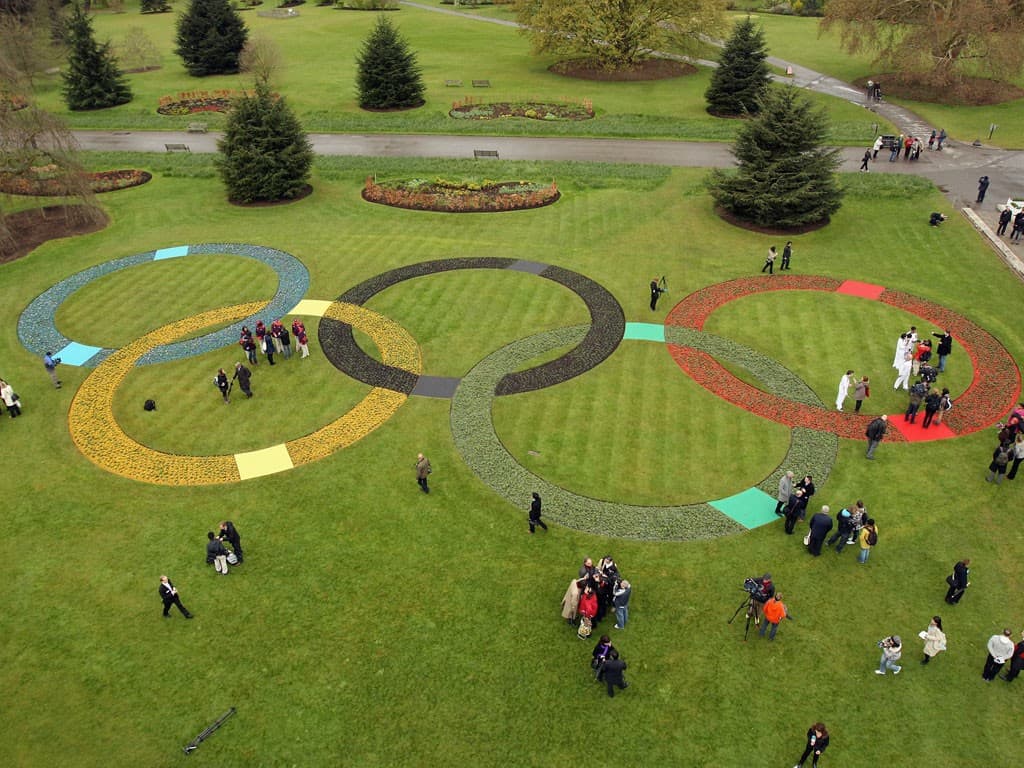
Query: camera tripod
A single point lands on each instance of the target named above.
(751, 606)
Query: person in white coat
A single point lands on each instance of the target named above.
(844, 389)
(1000, 648)
(904, 376)
(934, 639)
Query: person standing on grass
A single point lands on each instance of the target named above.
(844, 528)
(230, 533)
(10, 399)
(656, 292)
(1000, 648)
(945, 348)
(997, 467)
(243, 375)
(216, 554)
(286, 343)
(1017, 662)
(934, 639)
(787, 254)
(620, 602)
(423, 469)
(817, 743)
(932, 403)
(1017, 456)
(821, 524)
(769, 261)
(612, 672)
(221, 380)
(774, 612)
(875, 433)
(1018, 227)
(861, 390)
(958, 581)
(785, 491)
(169, 594)
(795, 509)
(844, 389)
(867, 539)
(905, 368)
(50, 363)
(535, 520)
(275, 336)
(892, 650)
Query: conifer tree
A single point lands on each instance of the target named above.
(742, 75)
(210, 38)
(786, 175)
(92, 79)
(388, 75)
(265, 153)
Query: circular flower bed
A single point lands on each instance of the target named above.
(460, 196)
(192, 106)
(45, 183)
(533, 110)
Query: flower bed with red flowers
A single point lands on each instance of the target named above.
(192, 102)
(460, 196)
(993, 391)
(53, 186)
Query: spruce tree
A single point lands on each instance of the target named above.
(154, 6)
(388, 75)
(92, 79)
(742, 75)
(265, 152)
(786, 175)
(210, 38)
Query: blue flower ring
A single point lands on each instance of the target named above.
(37, 327)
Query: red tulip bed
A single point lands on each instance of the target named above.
(43, 185)
(460, 196)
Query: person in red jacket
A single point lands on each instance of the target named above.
(774, 612)
(588, 603)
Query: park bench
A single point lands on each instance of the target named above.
(478, 153)
(197, 127)
(481, 83)
(278, 13)
(453, 83)
(177, 148)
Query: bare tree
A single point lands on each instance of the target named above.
(137, 52)
(261, 58)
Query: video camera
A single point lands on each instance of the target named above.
(760, 588)
(751, 585)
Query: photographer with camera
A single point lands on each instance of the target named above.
(763, 591)
(892, 650)
(50, 363)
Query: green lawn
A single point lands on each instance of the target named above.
(319, 50)
(374, 626)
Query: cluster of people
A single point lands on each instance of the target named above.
(1009, 453)
(597, 590)
(220, 556)
(9, 399)
(1005, 217)
(851, 524)
(275, 340)
(608, 667)
(773, 254)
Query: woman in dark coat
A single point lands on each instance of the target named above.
(817, 742)
(229, 533)
(958, 582)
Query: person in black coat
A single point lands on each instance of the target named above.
(216, 554)
(983, 183)
(535, 513)
(612, 671)
(656, 291)
(821, 524)
(1004, 221)
(169, 595)
(795, 508)
(845, 519)
(958, 582)
(1016, 661)
(807, 484)
(945, 348)
(229, 533)
(242, 375)
(817, 742)
(221, 380)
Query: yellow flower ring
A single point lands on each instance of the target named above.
(99, 437)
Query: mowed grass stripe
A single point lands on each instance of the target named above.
(637, 430)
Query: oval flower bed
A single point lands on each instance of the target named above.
(52, 186)
(460, 196)
(191, 102)
(470, 109)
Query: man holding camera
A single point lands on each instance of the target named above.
(892, 650)
(761, 591)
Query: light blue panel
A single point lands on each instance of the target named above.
(645, 332)
(171, 253)
(77, 354)
(750, 508)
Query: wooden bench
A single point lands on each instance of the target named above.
(481, 83)
(197, 127)
(453, 83)
(478, 153)
(177, 148)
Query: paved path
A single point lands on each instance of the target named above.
(955, 170)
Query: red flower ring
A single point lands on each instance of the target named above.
(993, 391)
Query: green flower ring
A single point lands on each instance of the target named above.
(473, 431)
(99, 437)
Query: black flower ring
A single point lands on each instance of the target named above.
(607, 325)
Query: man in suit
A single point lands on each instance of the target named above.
(656, 291)
(169, 594)
(958, 582)
(612, 673)
(230, 533)
(821, 524)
